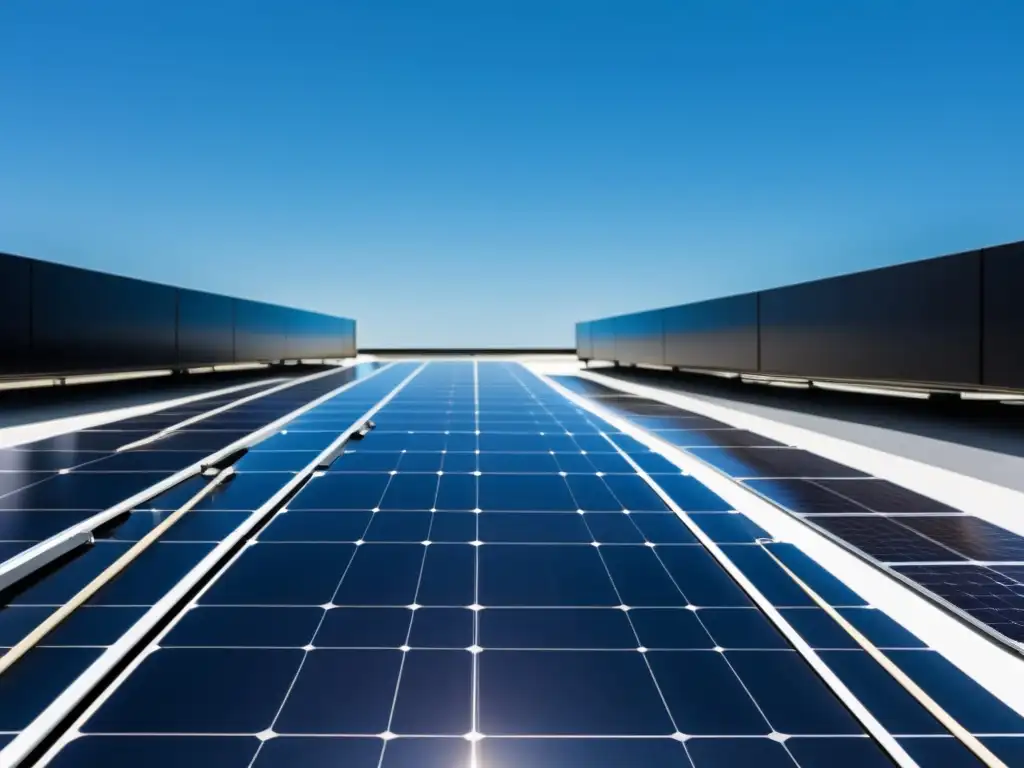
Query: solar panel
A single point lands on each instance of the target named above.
(673, 422)
(993, 596)
(969, 536)
(886, 540)
(714, 438)
(882, 496)
(772, 462)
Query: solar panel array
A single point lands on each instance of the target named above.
(50, 485)
(484, 580)
(46, 670)
(969, 563)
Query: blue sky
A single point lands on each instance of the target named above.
(487, 173)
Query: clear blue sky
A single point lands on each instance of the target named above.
(488, 172)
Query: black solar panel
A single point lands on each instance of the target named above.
(992, 596)
(886, 540)
(772, 462)
(713, 438)
(882, 496)
(823, 633)
(86, 491)
(46, 670)
(947, 752)
(806, 497)
(970, 536)
(672, 422)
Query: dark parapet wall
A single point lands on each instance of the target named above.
(206, 328)
(584, 342)
(259, 330)
(15, 311)
(90, 321)
(953, 320)
(642, 337)
(1002, 353)
(56, 319)
(716, 334)
(602, 338)
(912, 322)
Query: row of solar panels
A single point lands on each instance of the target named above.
(41, 678)
(59, 319)
(967, 565)
(953, 320)
(91, 479)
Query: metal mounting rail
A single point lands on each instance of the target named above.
(34, 637)
(864, 716)
(37, 740)
(361, 431)
(45, 552)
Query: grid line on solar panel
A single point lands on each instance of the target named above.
(511, 670)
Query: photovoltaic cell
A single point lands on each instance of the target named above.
(88, 492)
